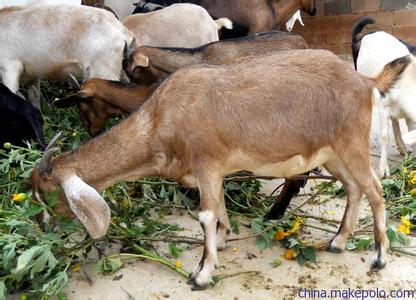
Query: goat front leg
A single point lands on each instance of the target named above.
(398, 136)
(211, 191)
(11, 75)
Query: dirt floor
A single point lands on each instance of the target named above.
(148, 280)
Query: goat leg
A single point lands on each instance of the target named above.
(290, 189)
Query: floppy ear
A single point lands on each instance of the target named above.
(71, 100)
(139, 60)
(87, 205)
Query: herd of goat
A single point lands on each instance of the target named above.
(201, 108)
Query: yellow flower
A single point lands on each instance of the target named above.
(405, 226)
(289, 254)
(280, 235)
(19, 197)
(178, 264)
(115, 220)
(126, 203)
(405, 170)
(76, 268)
(235, 250)
(295, 226)
(413, 180)
(413, 192)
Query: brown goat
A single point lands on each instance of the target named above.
(152, 64)
(99, 99)
(276, 115)
(255, 16)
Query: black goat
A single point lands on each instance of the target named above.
(19, 120)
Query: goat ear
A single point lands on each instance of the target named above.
(140, 60)
(88, 206)
(71, 100)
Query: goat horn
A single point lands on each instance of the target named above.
(45, 162)
(52, 143)
(139, 3)
(74, 81)
(153, 6)
(87, 74)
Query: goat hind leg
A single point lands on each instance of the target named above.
(374, 193)
(398, 136)
(223, 227)
(350, 218)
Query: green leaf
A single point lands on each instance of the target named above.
(293, 242)
(232, 186)
(174, 250)
(310, 254)
(391, 235)
(3, 290)
(34, 260)
(350, 246)
(9, 252)
(256, 225)
(363, 244)
(277, 263)
(234, 225)
(54, 286)
(300, 258)
(109, 264)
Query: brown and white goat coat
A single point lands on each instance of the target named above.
(279, 114)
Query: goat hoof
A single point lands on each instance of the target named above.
(378, 264)
(273, 215)
(334, 249)
(190, 280)
(196, 286)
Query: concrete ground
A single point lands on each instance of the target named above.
(148, 280)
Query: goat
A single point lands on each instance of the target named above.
(151, 64)
(277, 115)
(99, 99)
(397, 104)
(8, 3)
(253, 16)
(143, 7)
(80, 36)
(179, 25)
(19, 120)
(296, 17)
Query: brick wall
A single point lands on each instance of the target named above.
(331, 27)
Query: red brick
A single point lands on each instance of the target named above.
(405, 33)
(383, 19)
(338, 37)
(323, 24)
(404, 17)
(345, 23)
(361, 6)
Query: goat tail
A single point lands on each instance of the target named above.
(390, 74)
(359, 26)
(224, 22)
(357, 36)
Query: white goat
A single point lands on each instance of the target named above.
(51, 41)
(376, 50)
(6, 3)
(296, 17)
(121, 8)
(179, 25)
